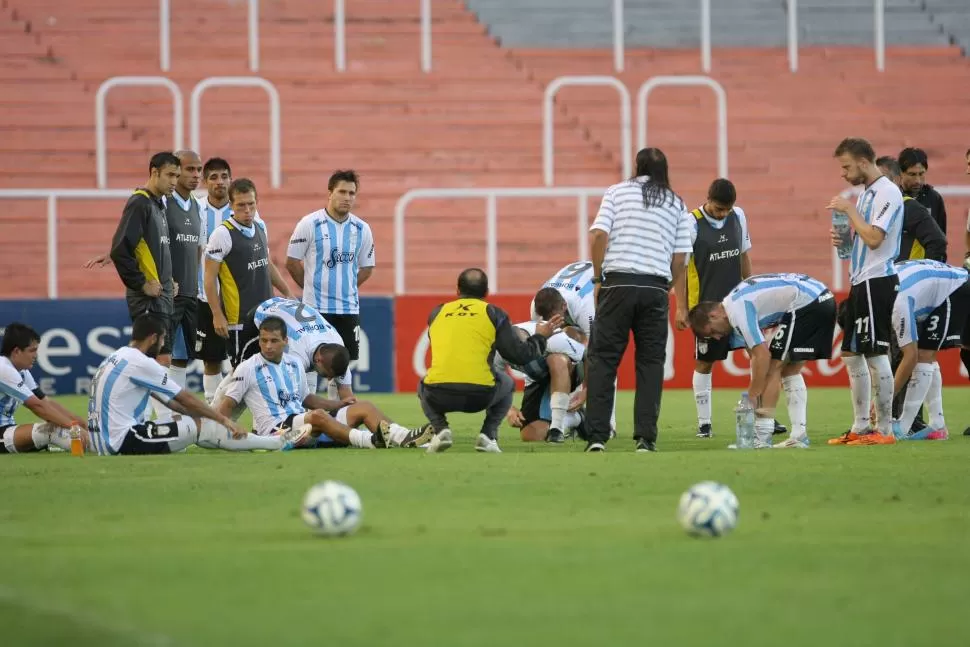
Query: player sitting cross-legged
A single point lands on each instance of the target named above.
(273, 385)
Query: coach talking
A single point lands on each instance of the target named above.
(639, 244)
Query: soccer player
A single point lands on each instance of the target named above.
(331, 254)
(18, 352)
(931, 313)
(565, 351)
(312, 339)
(914, 164)
(464, 334)
(802, 311)
(239, 274)
(182, 216)
(877, 220)
(273, 385)
(122, 387)
(718, 261)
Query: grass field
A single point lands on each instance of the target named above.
(541, 545)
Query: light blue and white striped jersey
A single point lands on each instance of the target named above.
(923, 286)
(211, 219)
(575, 283)
(120, 390)
(880, 205)
(332, 253)
(15, 387)
(762, 300)
(560, 342)
(273, 392)
(306, 329)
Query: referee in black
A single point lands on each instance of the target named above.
(639, 244)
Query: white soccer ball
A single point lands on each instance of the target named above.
(332, 508)
(708, 509)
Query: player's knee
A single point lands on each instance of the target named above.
(702, 367)
(789, 370)
(557, 363)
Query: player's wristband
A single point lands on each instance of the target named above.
(596, 280)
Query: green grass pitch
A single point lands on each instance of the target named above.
(836, 546)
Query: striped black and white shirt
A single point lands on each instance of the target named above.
(641, 240)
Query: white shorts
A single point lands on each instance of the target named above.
(151, 438)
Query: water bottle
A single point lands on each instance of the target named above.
(840, 223)
(744, 427)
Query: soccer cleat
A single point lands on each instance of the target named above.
(848, 437)
(419, 436)
(555, 436)
(779, 429)
(439, 442)
(382, 437)
(295, 437)
(644, 446)
(966, 432)
(938, 434)
(874, 438)
(797, 443)
(705, 431)
(580, 431)
(487, 445)
(595, 447)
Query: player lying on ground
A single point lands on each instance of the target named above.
(17, 386)
(564, 357)
(802, 311)
(931, 313)
(120, 391)
(273, 385)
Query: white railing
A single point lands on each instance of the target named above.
(241, 82)
(582, 194)
(165, 35)
(706, 36)
(879, 38)
(838, 272)
(548, 118)
(100, 116)
(52, 195)
(340, 35)
(618, 35)
(722, 139)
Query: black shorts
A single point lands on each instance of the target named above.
(184, 317)
(159, 307)
(537, 399)
(806, 333)
(866, 316)
(712, 350)
(348, 327)
(243, 343)
(149, 438)
(948, 326)
(209, 346)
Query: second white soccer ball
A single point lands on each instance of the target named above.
(332, 508)
(708, 509)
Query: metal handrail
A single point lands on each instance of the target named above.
(100, 116)
(548, 117)
(165, 35)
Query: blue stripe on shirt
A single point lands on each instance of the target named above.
(920, 275)
(155, 388)
(109, 384)
(271, 404)
(318, 270)
(322, 267)
(345, 284)
(354, 270)
(751, 314)
(812, 289)
(140, 409)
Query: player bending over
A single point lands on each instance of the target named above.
(18, 352)
(273, 385)
(120, 392)
(802, 312)
(564, 357)
(931, 313)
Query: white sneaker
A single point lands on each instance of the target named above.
(486, 444)
(798, 443)
(440, 442)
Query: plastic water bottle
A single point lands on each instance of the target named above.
(744, 427)
(840, 223)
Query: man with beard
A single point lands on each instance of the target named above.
(877, 223)
(331, 254)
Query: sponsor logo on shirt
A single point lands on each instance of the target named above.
(803, 350)
(254, 265)
(720, 256)
(337, 257)
(723, 238)
(186, 238)
(294, 241)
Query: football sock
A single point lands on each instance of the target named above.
(361, 438)
(919, 386)
(797, 396)
(861, 386)
(209, 385)
(763, 429)
(332, 392)
(882, 378)
(398, 434)
(559, 403)
(215, 436)
(57, 436)
(177, 374)
(572, 420)
(934, 399)
(702, 397)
